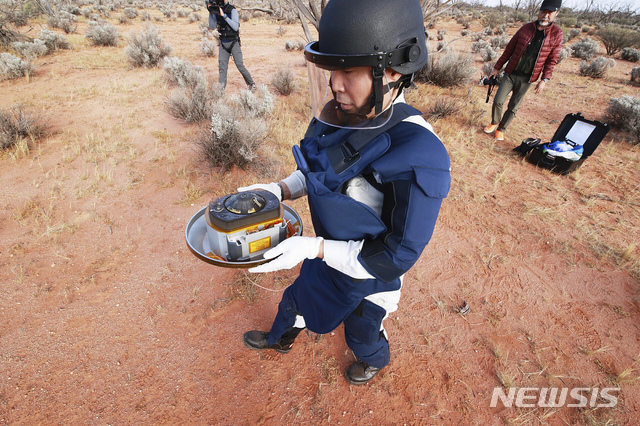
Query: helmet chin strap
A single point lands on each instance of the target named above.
(380, 89)
(378, 92)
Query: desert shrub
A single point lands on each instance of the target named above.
(501, 30)
(63, 14)
(71, 9)
(478, 36)
(130, 13)
(443, 107)
(68, 26)
(144, 16)
(182, 14)
(257, 103)
(493, 19)
(499, 42)
(191, 104)
(16, 124)
(208, 47)
(441, 33)
(596, 68)
(465, 21)
(294, 45)
(519, 17)
(54, 40)
(487, 68)
(465, 33)
(283, 81)
(18, 18)
(13, 67)
(30, 50)
(194, 17)
(236, 134)
(487, 31)
(635, 75)
(573, 33)
(565, 52)
(281, 30)
(615, 38)
(567, 21)
(489, 54)
(585, 49)
(479, 45)
(101, 33)
(630, 54)
(183, 73)
(447, 71)
(148, 49)
(624, 113)
(442, 46)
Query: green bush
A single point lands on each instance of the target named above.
(615, 38)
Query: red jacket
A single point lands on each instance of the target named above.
(547, 57)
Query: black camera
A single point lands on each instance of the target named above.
(213, 5)
(492, 81)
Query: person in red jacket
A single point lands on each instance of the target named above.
(532, 52)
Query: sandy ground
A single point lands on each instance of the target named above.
(107, 318)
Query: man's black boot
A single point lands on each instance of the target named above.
(360, 373)
(258, 340)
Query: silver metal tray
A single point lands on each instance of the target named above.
(196, 235)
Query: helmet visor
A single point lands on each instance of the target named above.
(353, 108)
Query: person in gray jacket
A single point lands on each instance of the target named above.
(224, 18)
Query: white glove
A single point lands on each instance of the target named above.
(292, 251)
(272, 187)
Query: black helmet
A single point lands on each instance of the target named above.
(377, 33)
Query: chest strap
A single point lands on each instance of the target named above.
(346, 154)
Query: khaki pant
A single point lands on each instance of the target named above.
(517, 84)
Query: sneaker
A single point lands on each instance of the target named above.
(564, 149)
(490, 128)
(499, 135)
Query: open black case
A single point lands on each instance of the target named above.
(579, 130)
